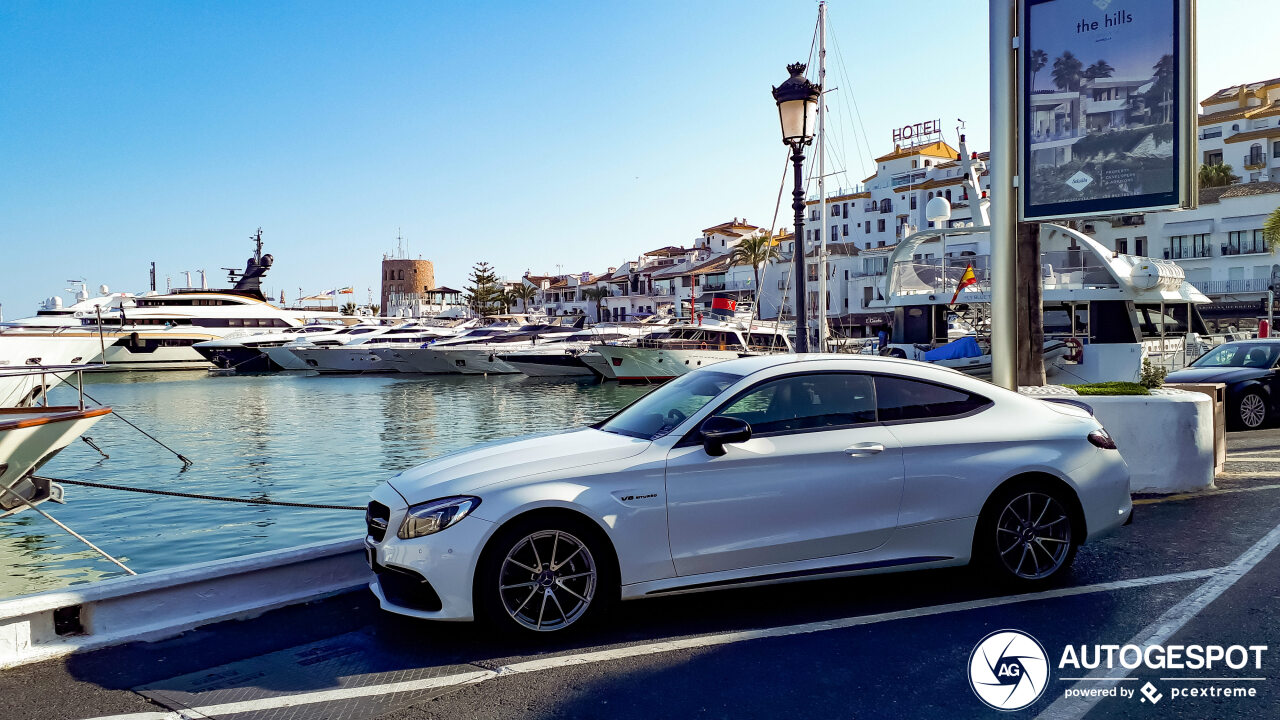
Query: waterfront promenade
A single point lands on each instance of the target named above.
(1198, 564)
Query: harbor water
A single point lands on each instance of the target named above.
(293, 438)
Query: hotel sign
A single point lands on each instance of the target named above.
(1106, 99)
(917, 133)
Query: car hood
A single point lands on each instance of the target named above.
(1226, 375)
(466, 471)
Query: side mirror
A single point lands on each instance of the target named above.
(718, 431)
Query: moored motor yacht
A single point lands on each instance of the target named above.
(485, 357)
(32, 364)
(679, 349)
(248, 352)
(562, 357)
(334, 354)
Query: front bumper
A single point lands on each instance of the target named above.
(427, 577)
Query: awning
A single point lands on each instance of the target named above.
(1188, 227)
(1243, 222)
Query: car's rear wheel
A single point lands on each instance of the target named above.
(545, 575)
(1251, 411)
(1026, 535)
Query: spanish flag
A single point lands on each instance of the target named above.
(967, 279)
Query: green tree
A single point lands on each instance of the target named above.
(524, 294)
(1098, 70)
(1271, 230)
(1039, 59)
(755, 250)
(349, 309)
(597, 295)
(373, 309)
(1068, 72)
(482, 295)
(1161, 93)
(1218, 175)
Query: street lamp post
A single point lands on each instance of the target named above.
(797, 100)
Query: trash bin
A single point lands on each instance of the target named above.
(1218, 392)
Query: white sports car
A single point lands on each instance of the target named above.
(759, 470)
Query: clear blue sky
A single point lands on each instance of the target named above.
(529, 135)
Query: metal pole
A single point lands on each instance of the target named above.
(821, 309)
(1271, 313)
(800, 285)
(1004, 212)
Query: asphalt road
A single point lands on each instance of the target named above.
(1190, 570)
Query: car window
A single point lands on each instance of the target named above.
(1240, 355)
(902, 399)
(659, 412)
(806, 402)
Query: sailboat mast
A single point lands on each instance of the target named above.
(821, 305)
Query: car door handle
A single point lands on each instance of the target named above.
(860, 449)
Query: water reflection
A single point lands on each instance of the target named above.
(295, 438)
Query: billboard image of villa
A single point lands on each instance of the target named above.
(1100, 98)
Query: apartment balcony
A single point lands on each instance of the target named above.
(1232, 287)
(1254, 161)
(1247, 249)
(1188, 254)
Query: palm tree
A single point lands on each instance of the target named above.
(524, 293)
(349, 309)
(1271, 230)
(597, 295)
(1099, 69)
(755, 250)
(1068, 71)
(1218, 175)
(1039, 59)
(1162, 88)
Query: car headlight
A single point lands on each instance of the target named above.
(436, 515)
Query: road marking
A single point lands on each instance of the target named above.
(663, 646)
(1168, 624)
(1204, 493)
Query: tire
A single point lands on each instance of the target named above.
(1249, 411)
(517, 588)
(1026, 535)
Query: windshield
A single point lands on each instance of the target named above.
(659, 412)
(1248, 355)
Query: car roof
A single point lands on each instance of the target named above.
(756, 363)
(1254, 341)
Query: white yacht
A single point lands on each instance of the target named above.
(429, 358)
(22, 356)
(683, 348)
(354, 352)
(157, 331)
(484, 357)
(563, 356)
(248, 353)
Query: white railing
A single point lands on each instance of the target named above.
(1227, 287)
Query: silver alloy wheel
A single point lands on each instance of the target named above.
(548, 580)
(1252, 410)
(1033, 535)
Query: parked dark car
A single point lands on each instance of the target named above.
(1248, 369)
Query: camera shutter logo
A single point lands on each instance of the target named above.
(1008, 670)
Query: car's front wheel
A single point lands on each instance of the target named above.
(1025, 534)
(544, 575)
(1251, 411)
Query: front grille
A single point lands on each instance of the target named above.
(407, 588)
(376, 519)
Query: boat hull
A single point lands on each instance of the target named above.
(348, 360)
(598, 364)
(29, 437)
(22, 352)
(548, 364)
(240, 359)
(637, 364)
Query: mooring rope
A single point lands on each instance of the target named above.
(186, 462)
(71, 532)
(197, 496)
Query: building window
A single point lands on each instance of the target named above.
(886, 206)
(880, 225)
(868, 227)
(835, 211)
(401, 275)
(948, 196)
(844, 230)
(868, 246)
(1178, 247)
(1122, 246)
(1255, 155)
(1200, 246)
(1275, 149)
(1245, 241)
(1213, 157)
(1140, 246)
(845, 211)
(879, 243)
(913, 202)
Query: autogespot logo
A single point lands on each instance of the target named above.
(1008, 670)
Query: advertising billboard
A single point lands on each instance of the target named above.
(1104, 95)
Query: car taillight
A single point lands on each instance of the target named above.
(1102, 439)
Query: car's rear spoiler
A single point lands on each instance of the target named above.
(1068, 401)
